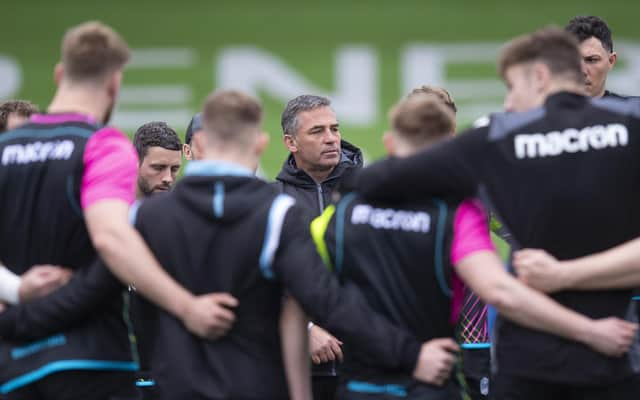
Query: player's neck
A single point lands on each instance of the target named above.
(230, 156)
(80, 99)
(565, 86)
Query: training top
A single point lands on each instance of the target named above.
(51, 169)
(400, 255)
(564, 177)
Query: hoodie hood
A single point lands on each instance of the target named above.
(220, 191)
(350, 157)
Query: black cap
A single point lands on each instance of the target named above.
(194, 126)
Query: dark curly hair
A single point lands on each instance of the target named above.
(154, 134)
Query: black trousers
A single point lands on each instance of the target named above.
(324, 387)
(513, 388)
(80, 385)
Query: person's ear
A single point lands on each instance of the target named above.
(613, 58)
(389, 142)
(291, 143)
(58, 73)
(262, 142)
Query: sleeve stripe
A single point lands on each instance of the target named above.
(277, 213)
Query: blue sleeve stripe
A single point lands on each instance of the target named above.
(474, 346)
(66, 365)
(438, 259)
(277, 213)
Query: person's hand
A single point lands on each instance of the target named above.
(612, 336)
(539, 270)
(210, 316)
(2, 307)
(436, 360)
(323, 347)
(41, 280)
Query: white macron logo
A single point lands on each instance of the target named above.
(387, 218)
(570, 141)
(37, 152)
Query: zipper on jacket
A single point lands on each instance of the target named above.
(320, 198)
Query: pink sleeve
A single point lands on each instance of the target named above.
(110, 168)
(470, 231)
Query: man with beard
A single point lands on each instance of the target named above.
(158, 148)
(72, 180)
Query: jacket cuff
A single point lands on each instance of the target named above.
(410, 355)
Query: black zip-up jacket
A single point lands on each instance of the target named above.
(314, 197)
(564, 177)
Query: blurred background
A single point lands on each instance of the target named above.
(364, 55)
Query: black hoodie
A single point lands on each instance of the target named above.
(312, 196)
(221, 230)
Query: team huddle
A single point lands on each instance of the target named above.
(119, 281)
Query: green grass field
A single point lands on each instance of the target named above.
(303, 36)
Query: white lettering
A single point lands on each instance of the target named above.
(596, 137)
(37, 152)
(387, 218)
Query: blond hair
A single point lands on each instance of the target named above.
(93, 50)
(422, 118)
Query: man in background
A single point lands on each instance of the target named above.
(158, 147)
(14, 113)
(318, 157)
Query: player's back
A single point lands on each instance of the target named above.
(398, 255)
(41, 167)
(580, 160)
(217, 233)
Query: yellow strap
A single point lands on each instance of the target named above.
(318, 229)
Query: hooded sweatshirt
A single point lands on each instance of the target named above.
(224, 230)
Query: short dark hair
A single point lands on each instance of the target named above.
(231, 116)
(442, 93)
(422, 118)
(23, 108)
(155, 134)
(585, 27)
(554, 47)
(92, 50)
(305, 102)
(194, 126)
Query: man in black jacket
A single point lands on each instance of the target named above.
(318, 158)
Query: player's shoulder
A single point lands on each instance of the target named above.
(623, 105)
(501, 124)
